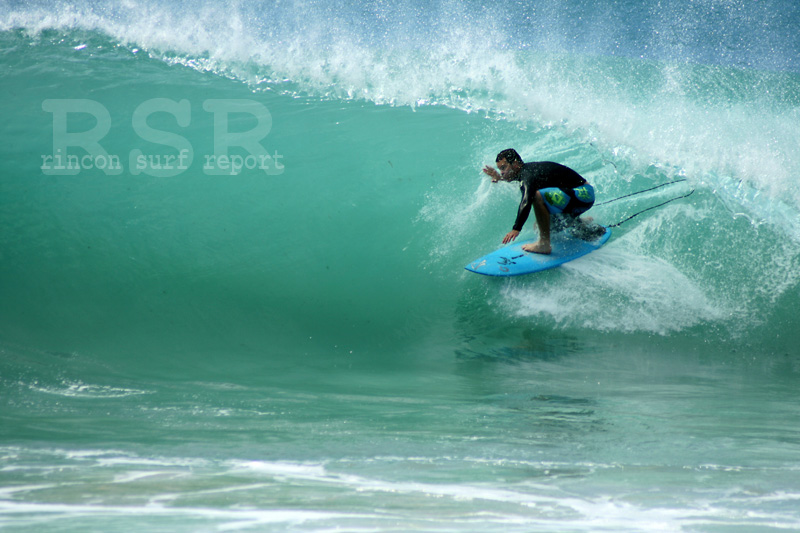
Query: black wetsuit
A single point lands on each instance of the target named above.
(541, 175)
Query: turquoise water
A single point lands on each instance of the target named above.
(294, 345)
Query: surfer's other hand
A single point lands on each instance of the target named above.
(510, 236)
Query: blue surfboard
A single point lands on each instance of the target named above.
(512, 260)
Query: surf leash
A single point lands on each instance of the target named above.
(642, 191)
(649, 208)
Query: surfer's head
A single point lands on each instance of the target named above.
(509, 163)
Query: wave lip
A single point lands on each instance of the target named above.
(726, 120)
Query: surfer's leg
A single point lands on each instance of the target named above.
(582, 199)
(559, 222)
(542, 246)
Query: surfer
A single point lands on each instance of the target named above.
(551, 189)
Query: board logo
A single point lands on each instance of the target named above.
(508, 261)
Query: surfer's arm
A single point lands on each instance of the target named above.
(522, 216)
(524, 210)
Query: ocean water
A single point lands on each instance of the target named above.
(232, 240)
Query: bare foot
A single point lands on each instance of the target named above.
(538, 247)
(587, 230)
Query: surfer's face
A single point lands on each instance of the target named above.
(507, 172)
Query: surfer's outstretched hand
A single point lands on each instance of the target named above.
(492, 173)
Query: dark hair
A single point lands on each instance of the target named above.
(510, 155)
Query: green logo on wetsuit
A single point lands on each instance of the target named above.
(556, 198)
(583, 194)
